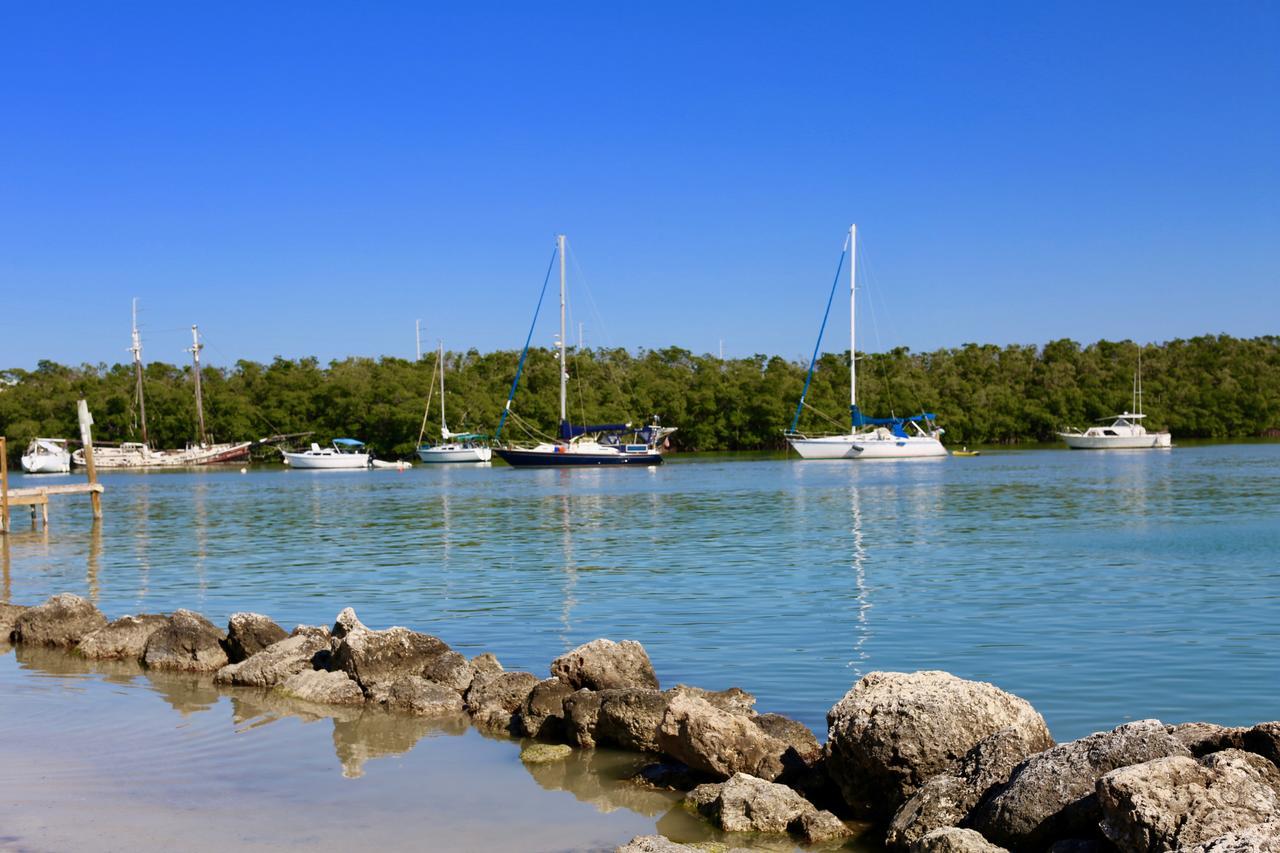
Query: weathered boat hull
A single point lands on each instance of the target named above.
(46, 464)
(108, 458)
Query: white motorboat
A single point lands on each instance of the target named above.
(47, 456)
(596, 444)
(869, 438)
(454, 446)
(1125, 430)
(343, 453)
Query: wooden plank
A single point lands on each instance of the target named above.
(64, 489)
(28, 500)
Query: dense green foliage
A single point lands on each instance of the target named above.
(1209, 387)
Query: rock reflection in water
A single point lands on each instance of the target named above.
(601, 777)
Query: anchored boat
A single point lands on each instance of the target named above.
(1125, 430)
(343, 453)
(47, 456)
(454, 446)
(869, 438)
(594, 444)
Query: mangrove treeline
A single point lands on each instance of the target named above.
(1205, 387)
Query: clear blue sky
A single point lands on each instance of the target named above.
(310, 178)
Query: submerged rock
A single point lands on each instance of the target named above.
(893, 731)
(493, 700)
(604, 665)
(186, 642)
(544, 753)
(747, 804)
(952, 840)
(250, 633)
(124, 639)
(1051, 795)
(655, 844)
(1179, 802)
(325, 688)
(668, 776)
(277, 662)
(718, 742)
(61, 621)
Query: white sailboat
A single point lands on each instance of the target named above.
(132, 454)
(47, 456)
(453, 446)
(343, 453)
(869, 438)
(1125, 430)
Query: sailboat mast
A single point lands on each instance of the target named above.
(196, 346)
(136, 349)
(444, 429)
(564, 367)
(853, 311)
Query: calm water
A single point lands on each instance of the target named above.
(1102, 587)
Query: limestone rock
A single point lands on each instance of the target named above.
(604, 664)
(545, 753)
(952, 840)
(1051, 795)
(492, 700)
(416, 695)
(124, 639)
(655, 844)
(893, 731)
(629, 718)
(346, 622)
(451, 670)
(377, 659)
(61, 621)
(542, 713)
(187, 642)
(818, 826)
(9, 614)
(581, 712)
(327, 688)
(804, 752)
(1179, 802)
(1264, 739)
(276, 663)
(735, 700)
(718, 742)
(745, 803)
(1260, 838)
(486, 662)
(1204, 738)
(250, 633)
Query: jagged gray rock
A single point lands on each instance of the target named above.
(629, 718)
(493, 699)
(250, 633)
(718, 742)
(542, 713)
(605, 665)
(745, 803)
(62, 621)
(9, 614)
(951, 839)
(345, 623)
(486, 662)
(1261, 838)
(1051, 794)
(451, 670)
(1264, 739)
(1204, 738)
(804, 750)
(377, 659)
(1180, 802)
(893, 731)
(124, 639)
(326, 688)
(735, 700)
(416, 695)
(581, 711)
(187, 642)
(276, 663)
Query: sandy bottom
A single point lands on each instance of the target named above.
(108, 757)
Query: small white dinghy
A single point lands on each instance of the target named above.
(47, 456)
(397, 465)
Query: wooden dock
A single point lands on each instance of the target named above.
(38, 496)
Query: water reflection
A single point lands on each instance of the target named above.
(93, 565)
(862, 626)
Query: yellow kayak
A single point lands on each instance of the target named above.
(966, 452)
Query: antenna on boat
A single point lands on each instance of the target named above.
(196, 346)
(444, 428)
(564, 376)
(136, 349)
(417, 330)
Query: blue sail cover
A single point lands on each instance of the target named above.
(568, 431)
(895, 424)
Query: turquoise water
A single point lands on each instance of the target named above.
(1102, 587)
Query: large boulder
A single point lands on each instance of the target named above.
(62, 621)
(377, 659)
(604, 665)
(946, 799)
(893, 731)
(629, 718)
(542, 713)
(1051, 794)
(1260, 838)
(124, 639)
(747, 804)
(322, 687)
(9, 614)
(1264, 739)
(250, 633)
(952, 840)
(493, 699)
(1179, 802)
(187, 642)
(718, 742)
(277, 662)
(416, 695)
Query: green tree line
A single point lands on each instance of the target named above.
(1205, 387)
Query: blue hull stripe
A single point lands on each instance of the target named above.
(534, 459)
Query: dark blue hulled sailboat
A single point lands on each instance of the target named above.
(593, 444)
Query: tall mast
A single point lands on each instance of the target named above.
(853, 311)
(196, 346)
(136, 349)
(564, 367)
(444, 429)
(1139, 381)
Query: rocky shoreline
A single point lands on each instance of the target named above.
(935, 762)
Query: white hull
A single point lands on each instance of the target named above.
(141, 456)
(1079, 441)
(327, 461)
(47, 464)
(454, 453)
(867, 446)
